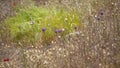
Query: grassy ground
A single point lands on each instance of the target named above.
(34, 24)
(62, 34)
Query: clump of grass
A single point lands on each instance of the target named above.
(40, 24)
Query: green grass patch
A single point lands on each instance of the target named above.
(40, 24)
